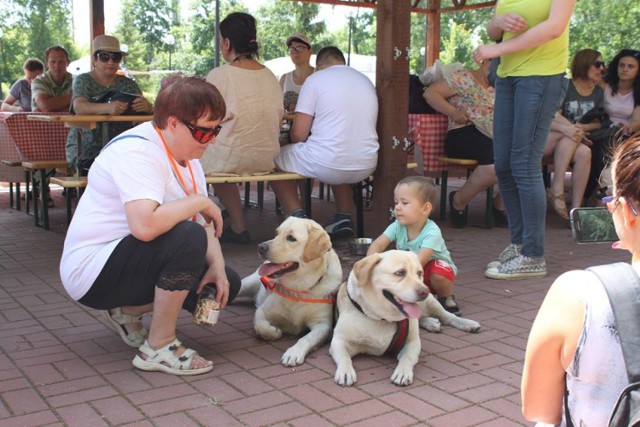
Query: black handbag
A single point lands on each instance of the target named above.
(116, 95)
(596, 113)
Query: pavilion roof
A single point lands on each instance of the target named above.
(418, 6)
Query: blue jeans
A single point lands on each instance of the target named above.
(524, 109)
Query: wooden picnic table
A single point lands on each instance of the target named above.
(78, 122)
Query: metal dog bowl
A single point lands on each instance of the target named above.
(360, 246)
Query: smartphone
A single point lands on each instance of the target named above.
(593, 225)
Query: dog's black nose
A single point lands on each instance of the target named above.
(263, 248)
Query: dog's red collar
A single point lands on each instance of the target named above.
(399, 337)
(295, 295)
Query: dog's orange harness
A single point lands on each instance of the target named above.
(295, 295)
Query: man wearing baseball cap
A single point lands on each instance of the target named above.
(300, 50)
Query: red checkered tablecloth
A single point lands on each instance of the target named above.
(37, 140)
(429, 132)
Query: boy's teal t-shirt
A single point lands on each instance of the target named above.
(430, 237)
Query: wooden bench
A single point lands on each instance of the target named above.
(261, 179)
(69, 182)
(13, 164)
(39, 168)
(469, 165)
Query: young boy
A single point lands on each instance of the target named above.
(19, 98)
(414, 198)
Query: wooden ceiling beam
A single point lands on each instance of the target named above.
(458, 5)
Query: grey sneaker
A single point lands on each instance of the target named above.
(509, 253)
(520, 267)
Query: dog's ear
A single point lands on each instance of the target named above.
(363, 268)
(317, 244)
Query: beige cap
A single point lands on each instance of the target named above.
(106, 44)
(298, 37)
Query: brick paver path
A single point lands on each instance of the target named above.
(61, 366)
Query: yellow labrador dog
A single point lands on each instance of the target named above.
(379, 309)
(295, 287)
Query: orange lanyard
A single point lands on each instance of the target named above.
(176, 171)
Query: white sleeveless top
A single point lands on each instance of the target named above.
(289, 84)
(597, 374)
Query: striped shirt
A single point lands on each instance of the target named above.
(45, 85)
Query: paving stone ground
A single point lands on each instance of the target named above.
(60, 365)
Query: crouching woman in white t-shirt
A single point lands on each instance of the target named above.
(144, 237)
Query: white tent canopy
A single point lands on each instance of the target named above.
(363, 63)
(79, 66)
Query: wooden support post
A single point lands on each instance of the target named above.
(432, 41)
(392, 85)
(97, 17)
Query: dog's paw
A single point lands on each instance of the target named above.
(466, 325)
(402, 376)
(346, 376)
(431, 324)
(292, 357)
(266, 331)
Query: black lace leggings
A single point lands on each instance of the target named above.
(172, 261)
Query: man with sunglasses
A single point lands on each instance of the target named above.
(89, 97)
(51, 91)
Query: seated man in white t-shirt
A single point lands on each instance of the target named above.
(334, 137)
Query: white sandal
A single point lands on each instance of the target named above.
(118, 322)
(167, 361)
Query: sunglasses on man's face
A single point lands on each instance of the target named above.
(116, 57)
(203, 135)
(599, 64)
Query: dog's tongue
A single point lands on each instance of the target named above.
(269, 268)
(412, 309)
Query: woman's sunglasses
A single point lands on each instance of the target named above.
(116, 57)
(203, 135)
(599, 64)
(611, 206)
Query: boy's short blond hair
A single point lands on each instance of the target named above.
(425, 187)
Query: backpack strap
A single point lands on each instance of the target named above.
(623, 289)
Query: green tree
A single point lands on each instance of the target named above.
(128, 33)
(198, 53)
(29, 27)
(607, 26)
(363, 33)
(278, 20)
(154, 18)
(460, 32)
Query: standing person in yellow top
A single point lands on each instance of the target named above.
(529, 89)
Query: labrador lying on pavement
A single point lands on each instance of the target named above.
(379, 309)
(295, 287)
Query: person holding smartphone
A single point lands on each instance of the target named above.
(564, 355)
(106, 56)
